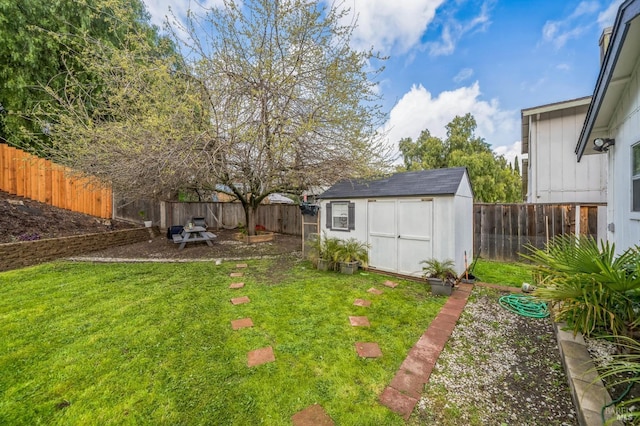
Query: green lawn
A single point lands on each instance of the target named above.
(511, 274)
(88, 343)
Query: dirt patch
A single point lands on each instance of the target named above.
(224, 246)
(22, 219)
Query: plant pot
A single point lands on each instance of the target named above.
(470, 279)
(349, 267)
(325, 265)
(439, 287)
(148, 223)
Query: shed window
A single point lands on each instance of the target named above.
(341, 216)
(635, 178)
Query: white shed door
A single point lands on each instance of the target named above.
(400, 234)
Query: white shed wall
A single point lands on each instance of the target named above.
(463, 210)
(625, 128)
(452, 226)
(360, 231)
(554, 175)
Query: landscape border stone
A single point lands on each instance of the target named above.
(28, 253)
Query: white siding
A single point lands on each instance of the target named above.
(554, 175)
(463, 209)
(360, 231)
(625, 128)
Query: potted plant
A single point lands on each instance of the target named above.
(147, 223)
(351, 254)
(324, 252)
(440, 275)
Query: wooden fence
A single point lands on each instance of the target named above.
(25, 175)
(280, 218)
(501, 231)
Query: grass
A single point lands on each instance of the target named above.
(152, 343)
(510, 274)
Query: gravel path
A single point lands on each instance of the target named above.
(498, 368)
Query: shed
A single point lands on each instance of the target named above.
(406, 218)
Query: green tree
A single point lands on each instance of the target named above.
(40, 41)
(492, 178)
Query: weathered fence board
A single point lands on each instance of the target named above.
(25, 175)
(280, 218)
(502, 231)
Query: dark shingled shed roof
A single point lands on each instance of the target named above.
(421, 183)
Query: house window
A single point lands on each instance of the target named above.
(635, 178)
(341, 216)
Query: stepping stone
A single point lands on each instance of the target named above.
(236, 285)
(236, 274)
(374, 291)
(390, 284)
(241, 323)
(260, 356)
(240, 300)
(359, 321)
(313, 415)
(368, 350)
(362, 302)
(241, 265)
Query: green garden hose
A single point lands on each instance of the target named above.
(618, 399)
(524, 305)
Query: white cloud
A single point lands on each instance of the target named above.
(454, 29)
(559, 32)
(418, 110)
(388, 25)
(585, 8)
(463, 75)
(510, 152)
(608, 16)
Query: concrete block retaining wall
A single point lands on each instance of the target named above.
(27, 253)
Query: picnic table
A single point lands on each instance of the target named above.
(193, 234)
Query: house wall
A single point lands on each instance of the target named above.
(624, 225)
(553, 175)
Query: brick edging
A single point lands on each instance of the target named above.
(26, 253)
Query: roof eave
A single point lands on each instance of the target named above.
(626, 13)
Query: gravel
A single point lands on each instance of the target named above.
(498, 368)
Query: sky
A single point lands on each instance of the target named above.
(491, 58)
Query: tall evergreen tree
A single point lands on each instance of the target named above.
(41, 40)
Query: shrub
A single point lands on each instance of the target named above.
(326, 248)
(587, 286)
(353, 250)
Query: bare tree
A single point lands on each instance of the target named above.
(292, 104)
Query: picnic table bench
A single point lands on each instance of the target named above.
(192, 235)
